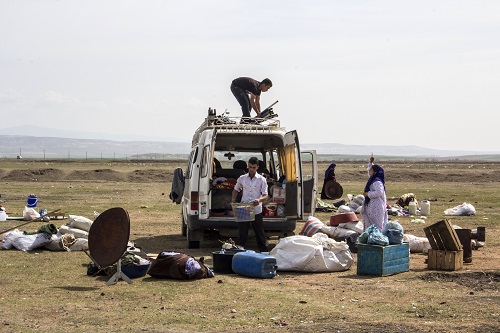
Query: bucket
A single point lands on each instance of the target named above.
(32, 201)
(222, 260)
(425, 207)
(270, 210)
(243, 212)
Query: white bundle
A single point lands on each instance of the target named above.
(464, 209)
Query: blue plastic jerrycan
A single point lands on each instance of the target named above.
(252, 264)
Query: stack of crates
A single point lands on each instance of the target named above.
(446, 253)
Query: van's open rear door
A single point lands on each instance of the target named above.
(206, 167)
(290, 160)
(309, 181)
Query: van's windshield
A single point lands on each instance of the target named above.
(239, 160)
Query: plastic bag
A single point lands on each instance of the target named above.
(464, 209)
(30, 214)
(394, 232)
(372, 235)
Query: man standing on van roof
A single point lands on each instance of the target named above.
(242, 87)
(254, 188)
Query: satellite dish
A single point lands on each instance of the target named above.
(108, 239)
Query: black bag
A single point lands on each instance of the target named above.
(180, 266)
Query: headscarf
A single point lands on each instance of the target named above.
(330, 168)
(378, 175)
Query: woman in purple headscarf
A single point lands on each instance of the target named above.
(375, 207)
(329, 175)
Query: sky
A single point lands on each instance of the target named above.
(385, 72)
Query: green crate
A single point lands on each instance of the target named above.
(383, 260)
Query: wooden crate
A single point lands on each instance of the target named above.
(383, 260)
(442, 236)
(445, 260)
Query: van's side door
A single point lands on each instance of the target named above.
(292, 167)
(309, 180)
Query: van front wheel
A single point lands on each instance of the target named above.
(193, 244)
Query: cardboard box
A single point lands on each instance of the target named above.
(445, 260)
(383, 260)
(279, 195)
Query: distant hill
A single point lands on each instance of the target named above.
(57, 147)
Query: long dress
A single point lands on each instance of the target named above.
(375, 212)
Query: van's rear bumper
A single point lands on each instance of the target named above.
(270, 224)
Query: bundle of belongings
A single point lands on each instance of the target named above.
(179, 266)
(318, 253)
(401, 207)
(405, 199)
(73, 236)
(347, 231)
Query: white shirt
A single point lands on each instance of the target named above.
(253, 188)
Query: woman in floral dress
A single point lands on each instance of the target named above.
(375, 207)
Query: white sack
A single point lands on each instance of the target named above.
(64, 229)
(8, 237)
(302, 253)
(79, 222)
(30, 242)
(417, 244)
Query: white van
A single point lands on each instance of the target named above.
(221, 147)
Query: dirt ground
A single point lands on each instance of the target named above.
(479, 281)
(480, 172)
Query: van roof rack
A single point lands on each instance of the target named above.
(224, 122)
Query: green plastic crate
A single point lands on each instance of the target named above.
(383, 260)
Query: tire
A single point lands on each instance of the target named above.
(193, 244)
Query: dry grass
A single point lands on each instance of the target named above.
(50, 291)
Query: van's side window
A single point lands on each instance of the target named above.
(205, 163)
(191, 161)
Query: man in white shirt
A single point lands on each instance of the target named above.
(254, 188)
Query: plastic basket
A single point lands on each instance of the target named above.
(243, 211)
